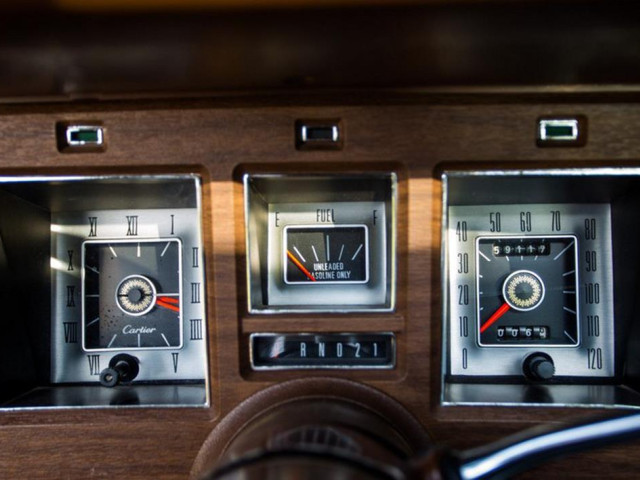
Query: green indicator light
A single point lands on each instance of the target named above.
(86, 136)
(559, 131)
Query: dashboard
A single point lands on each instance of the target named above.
(183, 273)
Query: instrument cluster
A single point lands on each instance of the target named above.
(537, 286)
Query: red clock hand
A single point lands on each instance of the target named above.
(168, 303)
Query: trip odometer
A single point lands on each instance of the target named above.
(527, 291)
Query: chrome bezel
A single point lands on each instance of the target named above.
(605, 341)
(388, 366)
(253, 273)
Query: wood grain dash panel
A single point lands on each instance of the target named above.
(221, 140)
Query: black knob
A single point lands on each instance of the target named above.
(122, 369)
(538, 366)
(109, 377)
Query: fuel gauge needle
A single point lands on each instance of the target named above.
(300, 266)
(504, 308)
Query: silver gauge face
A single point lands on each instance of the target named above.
(332, 254)
(128, 281)
(529, 278)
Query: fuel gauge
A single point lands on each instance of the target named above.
(328, 254)
(321, 243)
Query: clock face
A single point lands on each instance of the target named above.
(132, 294)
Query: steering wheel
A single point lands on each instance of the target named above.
(338, 429)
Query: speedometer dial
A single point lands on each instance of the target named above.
(527, 292)
(529, 279)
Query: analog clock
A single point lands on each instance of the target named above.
(132, 282)
(132, 294)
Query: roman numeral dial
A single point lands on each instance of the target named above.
(128, 282)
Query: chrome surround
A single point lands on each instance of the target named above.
(559, 122)
(69, 231)
(389, 366)
(87, 393)
(71, 129)
(252, 271)
(93, 397)
(512, 400)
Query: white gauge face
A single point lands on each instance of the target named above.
(529, 278)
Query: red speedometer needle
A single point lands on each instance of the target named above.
(168, 303)
(300, 266)
(504, 308)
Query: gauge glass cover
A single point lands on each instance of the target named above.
(326, 254)
(320, 243)
(527, 291)
(132, 294)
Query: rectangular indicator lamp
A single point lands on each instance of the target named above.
(330, 133)
(271, 351)
(318, 134)
(79, 135)
(561, 132)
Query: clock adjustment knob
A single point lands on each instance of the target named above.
(122, 369)
(538, 366)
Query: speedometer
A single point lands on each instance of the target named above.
(529, 291)
(526, 290)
